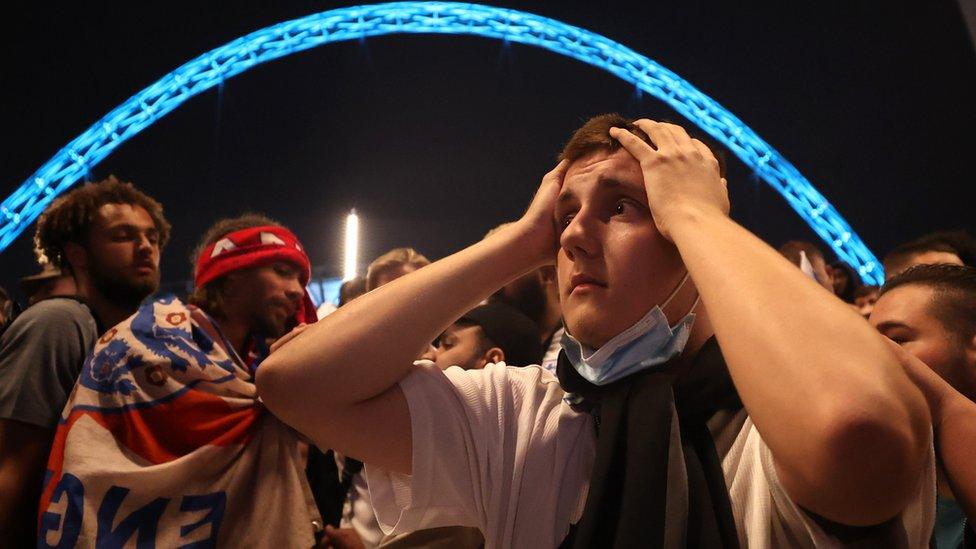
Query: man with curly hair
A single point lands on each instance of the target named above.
(164, 442)
(108, 235)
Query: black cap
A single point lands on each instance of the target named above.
(513, 332)
(30, 284)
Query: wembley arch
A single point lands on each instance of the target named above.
(72, 162)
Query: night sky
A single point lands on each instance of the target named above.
(436, 139)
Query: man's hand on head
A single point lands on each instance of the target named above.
(680, 175)
(538, 223)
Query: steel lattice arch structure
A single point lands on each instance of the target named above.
(75, 160)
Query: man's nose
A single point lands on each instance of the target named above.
(146, 245)
(294, 289)
(579, 236)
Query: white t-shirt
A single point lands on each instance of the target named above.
(499, 450)
(551, 358)
(357, 511)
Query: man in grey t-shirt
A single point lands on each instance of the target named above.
(108, 235)
(40, 358)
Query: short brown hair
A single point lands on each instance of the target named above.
(959, 243)
(594, 135)
(209, 297)
(69, 218)
(954, 297)
(392, 259)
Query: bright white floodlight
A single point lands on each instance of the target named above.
(351, 253)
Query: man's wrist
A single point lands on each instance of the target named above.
(533, 247)
(689, 218)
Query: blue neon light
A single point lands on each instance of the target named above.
(88, 149)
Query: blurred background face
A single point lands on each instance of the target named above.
(123, 253)
(613, 265)
(266, 297)
(392, 273)
(904, 315)
(932, 257)
(460, 345)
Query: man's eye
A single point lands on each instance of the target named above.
(565, 220)
(623, 206)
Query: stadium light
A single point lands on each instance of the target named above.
(351, 252)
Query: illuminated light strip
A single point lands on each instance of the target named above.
(351, 251)
(73, 161)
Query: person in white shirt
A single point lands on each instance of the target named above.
(718, 397)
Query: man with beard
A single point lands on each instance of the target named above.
(702, 400)
(929, 310)
(164, 441)
(536, 294)
(108, 236)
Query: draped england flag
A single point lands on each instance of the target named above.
(164, 443)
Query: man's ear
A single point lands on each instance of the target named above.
(493, 355)
(76, 255)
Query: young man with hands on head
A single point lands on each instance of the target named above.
(701, 399)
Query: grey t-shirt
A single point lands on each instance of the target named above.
(41, 355)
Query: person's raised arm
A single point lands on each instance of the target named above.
(847, 429)
(336, 381)
(954, 419)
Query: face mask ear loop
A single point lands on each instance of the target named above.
(695, 304)
(678, 289)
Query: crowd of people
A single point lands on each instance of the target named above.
(622, 366)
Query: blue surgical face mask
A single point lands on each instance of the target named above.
(649, 342)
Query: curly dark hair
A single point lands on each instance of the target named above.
(69, 218)
(209, 297)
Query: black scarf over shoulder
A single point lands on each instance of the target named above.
(657, 480)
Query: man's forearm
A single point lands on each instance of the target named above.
(367, 346)
(956, 435)
(809, 370)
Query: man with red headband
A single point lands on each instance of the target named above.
(164, 441)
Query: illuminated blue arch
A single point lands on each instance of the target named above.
(75, 160)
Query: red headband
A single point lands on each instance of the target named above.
(255, 247)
